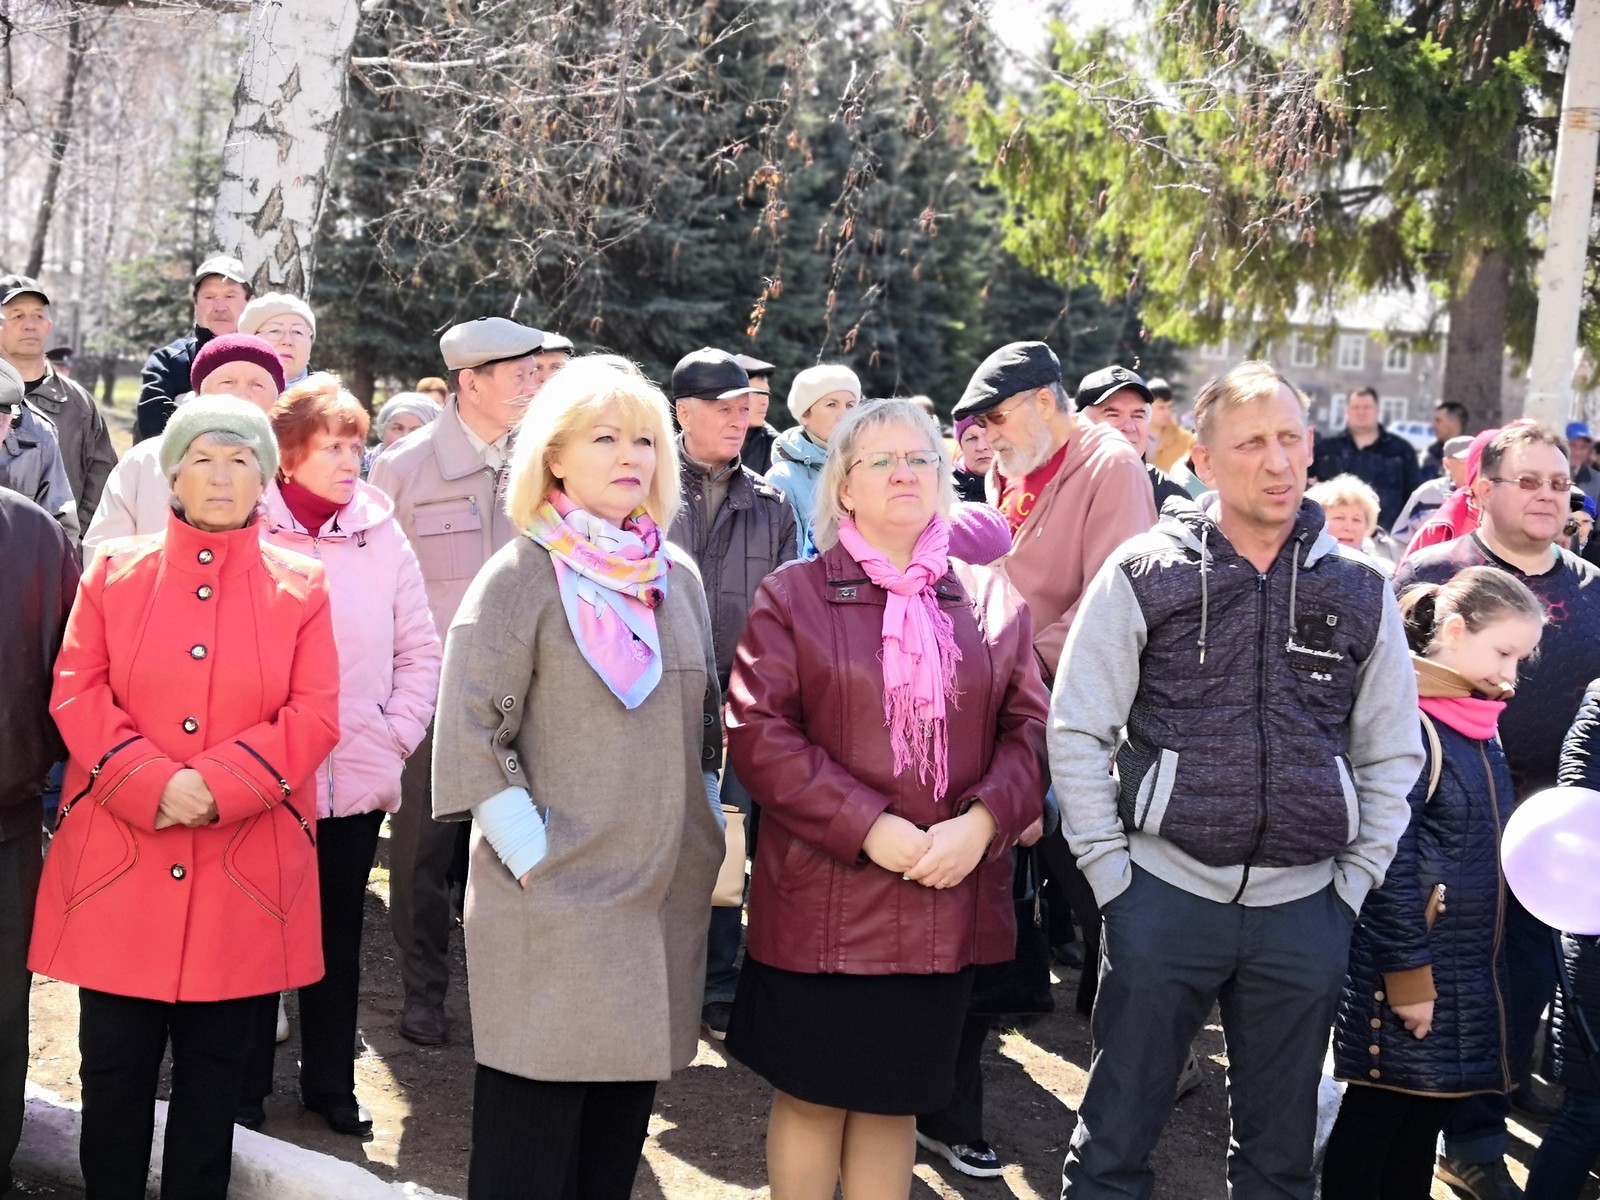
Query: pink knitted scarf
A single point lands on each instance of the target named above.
(919, 649)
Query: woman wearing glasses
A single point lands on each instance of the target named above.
(287, 324)
(888, 710)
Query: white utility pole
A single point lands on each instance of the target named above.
(1555, 335)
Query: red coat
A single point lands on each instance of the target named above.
(807, 737)
(209, 651)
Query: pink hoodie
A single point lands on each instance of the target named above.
(389, 654)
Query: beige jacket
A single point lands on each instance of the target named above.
(135, 500)
(1099, 499)
(595, 970)
(444, 498)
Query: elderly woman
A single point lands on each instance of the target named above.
(197, 692)
(887, 705)
(388, 678)
(402, 413)
(287, 324)
(577, 726)
(818, 398)
(1350, 515)
(974, 457)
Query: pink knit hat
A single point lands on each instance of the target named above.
(978, 534)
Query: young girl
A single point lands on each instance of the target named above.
(1420, 1023)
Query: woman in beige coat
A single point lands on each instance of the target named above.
(577, 726)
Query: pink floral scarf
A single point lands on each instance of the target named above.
(919, 649)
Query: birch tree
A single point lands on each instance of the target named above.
(283, 136)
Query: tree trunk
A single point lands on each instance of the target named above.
(282, 138)
(60, 138)
(364, 382)
(1476, 354)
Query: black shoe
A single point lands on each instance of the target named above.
(424, 1025)
(1069, 954)
(714, 1017)
(251, 1116)
(347, 1117)
(1478, 1181)
(1530, 1104)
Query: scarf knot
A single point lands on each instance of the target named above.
(919, 650)
(612, 580)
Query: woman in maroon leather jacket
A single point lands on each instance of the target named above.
(886, 713)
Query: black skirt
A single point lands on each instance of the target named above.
(883, 1044)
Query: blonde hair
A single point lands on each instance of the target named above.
(843, 448)
(1252, 380)
(579, 395)
(1347, 489)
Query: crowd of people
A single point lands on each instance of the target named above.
(1255, 707)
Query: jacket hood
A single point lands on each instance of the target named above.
(367, 508)
(796, 447)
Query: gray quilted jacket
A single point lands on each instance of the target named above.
(1261, 726)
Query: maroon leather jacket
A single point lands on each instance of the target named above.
(807, 736)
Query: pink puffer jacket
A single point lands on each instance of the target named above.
(389, 654)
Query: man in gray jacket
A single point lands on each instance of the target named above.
(1251, 683)
(30, 455)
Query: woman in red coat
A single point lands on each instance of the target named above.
(887, 714)
(196, 691)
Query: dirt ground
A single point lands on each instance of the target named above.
(706, 1135)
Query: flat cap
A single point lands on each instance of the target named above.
(753, 366)
(709, 374)
(1017, 367)
(13, 286)
(1099, 385)
(1458, 446)
(12, 387)
(555, 342)
(487, 341)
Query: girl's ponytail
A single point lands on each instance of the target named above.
(1418, 605)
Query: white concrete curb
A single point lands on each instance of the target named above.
(264, 1168)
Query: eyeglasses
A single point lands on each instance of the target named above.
(295, 333)
(995, 418)
(1560, 484)
(883, 463)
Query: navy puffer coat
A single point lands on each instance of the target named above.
(1454, 840)
(1567, 1056)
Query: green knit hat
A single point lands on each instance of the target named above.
(218, 414)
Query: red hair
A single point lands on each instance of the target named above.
(317, 404)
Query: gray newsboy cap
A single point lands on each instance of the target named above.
(12, 386)
(1017, 367)
(487, 341)
(218, 414)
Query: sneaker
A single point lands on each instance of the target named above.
(976, 1158)
(714, 1017)
(1190, 1077)
(282, 1034)
(1478, 1181)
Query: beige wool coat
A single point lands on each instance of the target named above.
(595, 970)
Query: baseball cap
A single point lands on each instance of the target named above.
(1459, 446)
(1015, 367)
(1098, 385)
(709, 374)
(13, 286)
(224, 265)
(1575, 429)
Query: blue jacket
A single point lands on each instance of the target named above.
(1454, 841)
(796, 469)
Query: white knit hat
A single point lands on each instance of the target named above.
(274, 304)
(814, 383)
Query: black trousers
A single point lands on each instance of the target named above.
(535, 1140)
(122, 1040)
(345, 850)
(1383, 1144)
(20, 864)
(960, 1123)
(1061, 865)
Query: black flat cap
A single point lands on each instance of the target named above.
(1098, 385)
(754, 366)
(708, 374)
(1018, 367)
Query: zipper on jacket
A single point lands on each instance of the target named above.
(1499, 915)
(94, 774)
(1261, 732)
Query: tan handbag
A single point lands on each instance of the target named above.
(729, 892)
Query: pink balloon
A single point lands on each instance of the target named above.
(1551, 854)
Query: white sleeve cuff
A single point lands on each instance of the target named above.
(514, 828)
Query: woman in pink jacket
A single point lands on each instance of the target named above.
(389, 658)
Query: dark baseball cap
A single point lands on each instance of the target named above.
(754, 367)
(1017, 367)
(1098, 385)
(709, 374)
(13, 286)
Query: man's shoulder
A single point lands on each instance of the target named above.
(180, 346)
(765, 492)
(1436, 563)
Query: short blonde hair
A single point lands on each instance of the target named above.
(583, 391)
(843, 447)
(1347, 489)
(1252, 380)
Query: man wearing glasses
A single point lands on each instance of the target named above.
(1522, 494)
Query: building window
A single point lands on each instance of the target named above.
(1393, 409)
(1302, 352)
(1352, 351)
(1397, 357)
(1336, 411)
